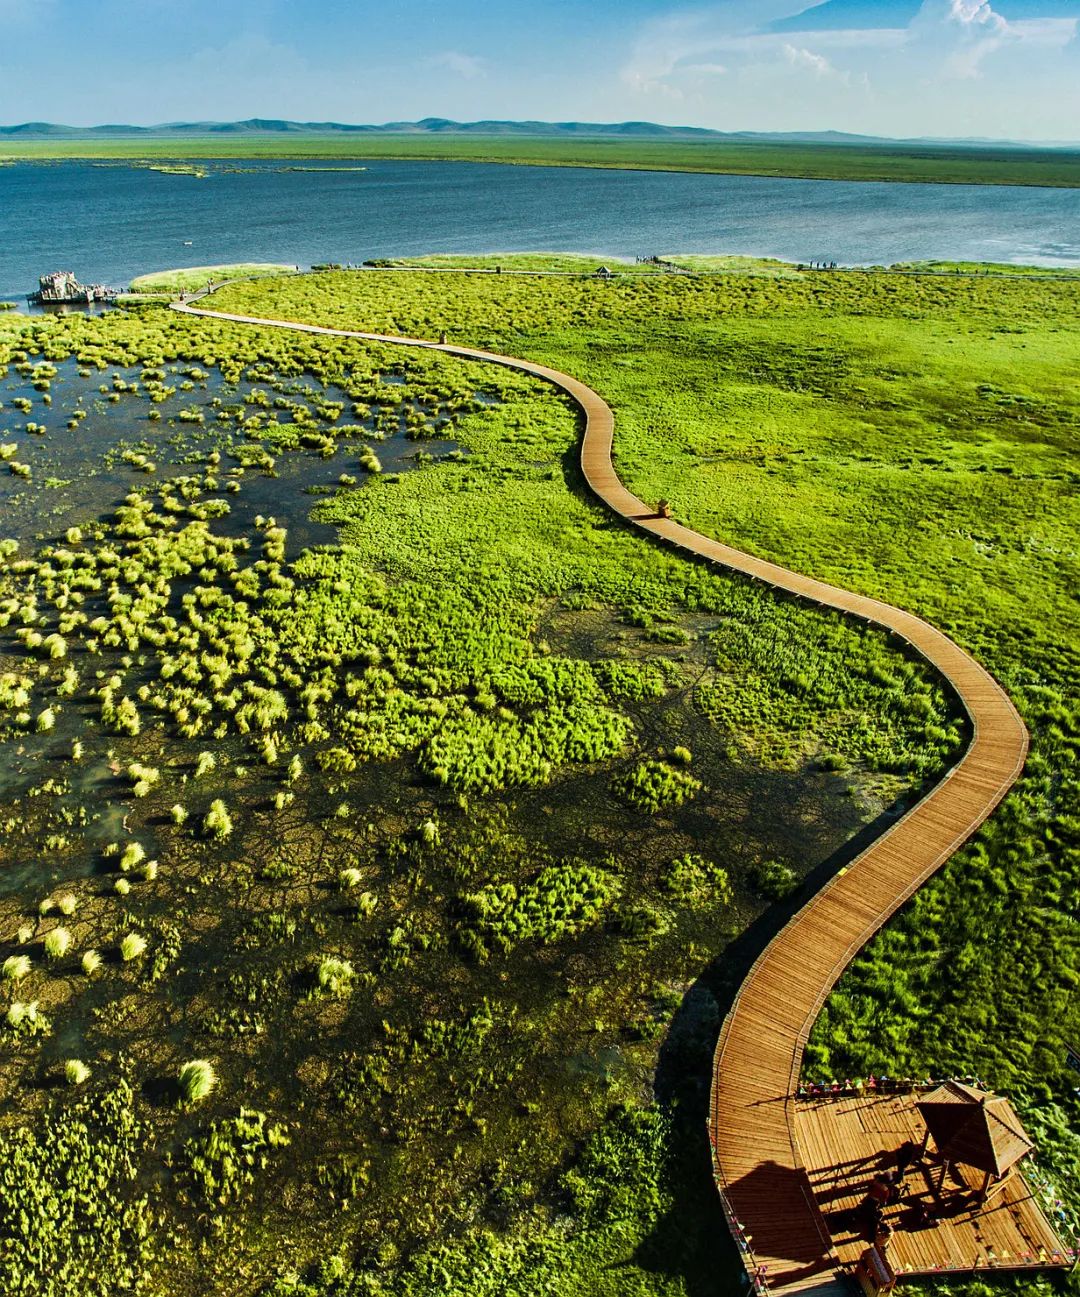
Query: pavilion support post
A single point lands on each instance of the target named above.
(944, 1173)
(985, 1186)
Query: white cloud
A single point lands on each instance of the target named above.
(970, 12)
(965, 33)
(706, 69)
(680, 46)
(948, 41)
(467, 66)
(816, 63)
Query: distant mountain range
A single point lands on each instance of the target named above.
(258, 126)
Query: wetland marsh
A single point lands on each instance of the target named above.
(404, 853)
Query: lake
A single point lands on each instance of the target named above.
(109, 222)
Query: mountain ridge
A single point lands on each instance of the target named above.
(262, 127)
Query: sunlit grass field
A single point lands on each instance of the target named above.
(460, 833)
(401, 853)
(192, 278)
(914, 439)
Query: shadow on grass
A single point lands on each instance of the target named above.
(692, 1240)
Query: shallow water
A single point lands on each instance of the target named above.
(77, 474)
(110, 223)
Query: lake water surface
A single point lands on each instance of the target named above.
(109, 222)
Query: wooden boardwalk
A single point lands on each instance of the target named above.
(759, 1167)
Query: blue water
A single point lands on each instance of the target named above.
(109, 223)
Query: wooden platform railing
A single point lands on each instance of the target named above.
(759, 1054)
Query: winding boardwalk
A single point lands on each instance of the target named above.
(757, 1160)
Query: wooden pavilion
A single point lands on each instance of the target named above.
(974, 1128)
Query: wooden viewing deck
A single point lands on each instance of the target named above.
(759, 1163)
(845, 1141)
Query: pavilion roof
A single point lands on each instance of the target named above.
(974, 1127)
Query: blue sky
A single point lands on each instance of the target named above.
(991, 68)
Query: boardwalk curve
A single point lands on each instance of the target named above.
(757, 1162)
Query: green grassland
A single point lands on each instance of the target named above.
(701, 263)
(927, 163)
(456, 824)
(367, 878)
(192, 278)
(548, 263)
(570, 263)
(987, 268)
(915, 439)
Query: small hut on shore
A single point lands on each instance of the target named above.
(974, 1128)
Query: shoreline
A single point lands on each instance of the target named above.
(743, 264)
(619, 267)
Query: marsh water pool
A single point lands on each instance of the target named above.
(111, 221)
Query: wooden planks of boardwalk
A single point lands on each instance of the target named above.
(757, 1160)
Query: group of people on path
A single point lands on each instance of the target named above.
(874, 1084)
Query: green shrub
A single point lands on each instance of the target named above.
(774, 879)
(76, 1072)
(15, 968)
(652, 786)
(217, 823)
(132, 947)
(562, 901)
(57, 943)
(133, 854)
(692, 878)
(25, 1019)
(196, 1080)
(334, 976)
